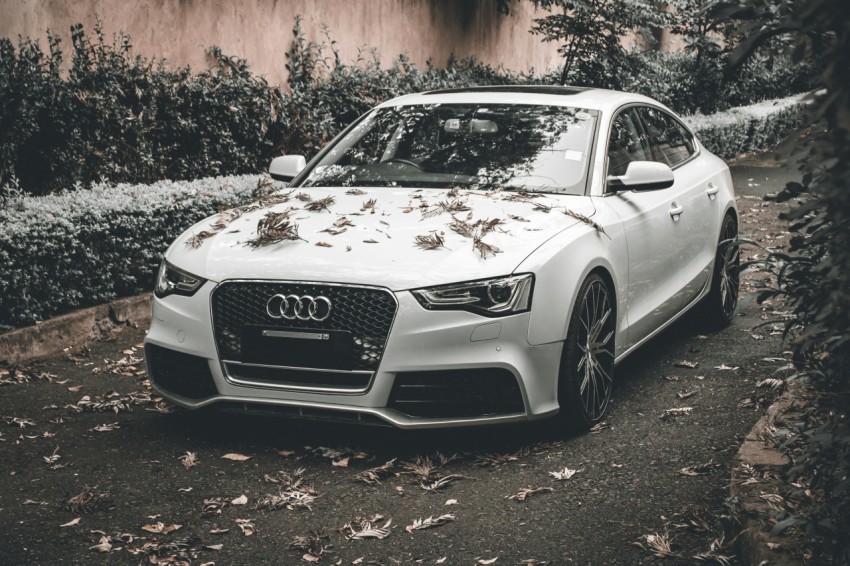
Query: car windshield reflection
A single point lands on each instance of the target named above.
(529, 147)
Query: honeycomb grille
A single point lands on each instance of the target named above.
(366, 313)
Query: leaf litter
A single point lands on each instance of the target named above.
(363, 528)
(526, 492)
(430, 522)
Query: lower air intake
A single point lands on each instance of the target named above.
(456, 393)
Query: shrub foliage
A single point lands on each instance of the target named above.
(119, 117)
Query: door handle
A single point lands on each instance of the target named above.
(712, 190)
(676, 210)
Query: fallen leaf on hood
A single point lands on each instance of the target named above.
(564, 474)
(430, 522)
(370, 241)
(72, 522)
(236, 457)
(241, 500)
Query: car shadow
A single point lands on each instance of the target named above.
(261, 431)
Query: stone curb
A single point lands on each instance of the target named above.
(51, 337)
(752, 541)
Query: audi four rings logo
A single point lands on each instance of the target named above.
(293, 307)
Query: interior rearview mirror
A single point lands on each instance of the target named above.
(642, 176)
(285, 168)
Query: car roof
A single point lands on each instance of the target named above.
(576, 97)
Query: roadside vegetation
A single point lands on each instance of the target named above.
(814, 275)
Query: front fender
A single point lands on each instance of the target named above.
(562, 264)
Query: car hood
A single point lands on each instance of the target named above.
(378, 236)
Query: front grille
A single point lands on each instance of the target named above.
(365, 313)
(456, 393)
(183, 374)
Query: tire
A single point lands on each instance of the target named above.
(719, 305)
(586, 374)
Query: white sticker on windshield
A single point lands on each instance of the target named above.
(572, 155)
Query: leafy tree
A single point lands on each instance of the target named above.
(591, 33)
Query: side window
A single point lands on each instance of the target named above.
(628, 143)
(669, 141)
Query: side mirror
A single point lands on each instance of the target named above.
(643, 176)
(285, 168)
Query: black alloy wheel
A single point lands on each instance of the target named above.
(587, 361)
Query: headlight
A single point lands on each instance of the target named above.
(490, 297)
(173, 281)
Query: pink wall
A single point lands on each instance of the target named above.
(261, 30)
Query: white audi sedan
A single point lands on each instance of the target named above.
(457, 257)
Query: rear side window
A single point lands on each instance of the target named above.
(669, 141)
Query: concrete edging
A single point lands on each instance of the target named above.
(52, 336)
(753, 511)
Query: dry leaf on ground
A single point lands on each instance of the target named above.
(430, 522)
(189, 459)
(527, 492)
(564, 474)
(236, 457)
(72, 522)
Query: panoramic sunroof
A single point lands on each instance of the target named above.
(533, 89)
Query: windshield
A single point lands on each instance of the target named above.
(511, 146)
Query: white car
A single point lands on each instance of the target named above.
(457, 257)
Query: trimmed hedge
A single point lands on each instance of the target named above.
(749, 128)
(75, 249)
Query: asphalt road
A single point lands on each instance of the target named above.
(92, 472)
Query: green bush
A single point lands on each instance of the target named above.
(749, 128)
(86, 247)
(75, 249)
(117, 117)
(121, 118)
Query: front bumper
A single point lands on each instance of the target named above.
(419, 341)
